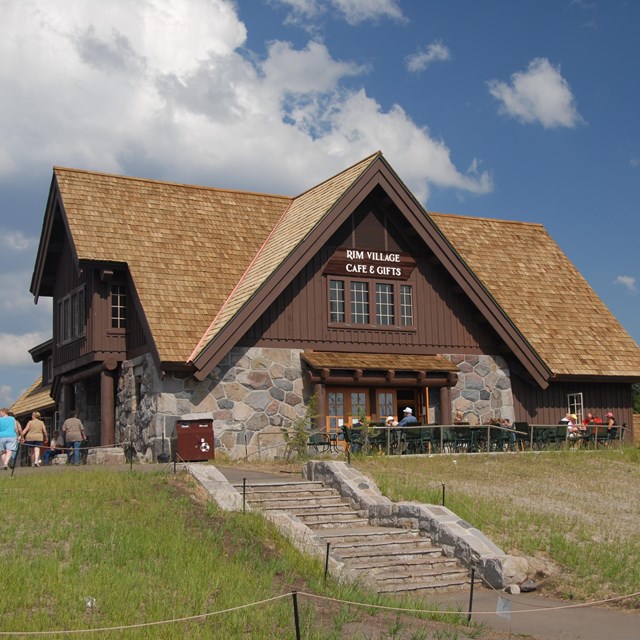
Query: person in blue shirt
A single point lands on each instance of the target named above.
(9, 432)
(408, 418)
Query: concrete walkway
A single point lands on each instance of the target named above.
(584, 623)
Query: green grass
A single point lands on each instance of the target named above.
(574, 511)
(150, 546)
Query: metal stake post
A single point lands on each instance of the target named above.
(473, 575)
(296, 618)
(443, 495)
(244, 495)
(326, 563)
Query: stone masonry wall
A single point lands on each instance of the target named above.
(252, 395)
(483, 390)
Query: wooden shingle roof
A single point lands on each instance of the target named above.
(303, 214)
(544, 295)
(186, 247)
(36, 398)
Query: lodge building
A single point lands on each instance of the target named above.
(173, 299)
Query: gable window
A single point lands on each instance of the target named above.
(336, 301)
(378, 304)
(71, 314)
(360, 302)
(118, 306)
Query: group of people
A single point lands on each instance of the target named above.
(35, 438)
(407, 419)
(577, 429)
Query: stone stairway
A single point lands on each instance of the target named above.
(398, 560)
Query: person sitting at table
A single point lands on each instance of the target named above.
(391, 422)
(612, 427)
(506, 423)
(56, 447)
(459, 418)
(408, 418)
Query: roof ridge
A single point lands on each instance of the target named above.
(486, 219)
(335, 175)
(170, 183)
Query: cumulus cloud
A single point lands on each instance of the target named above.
(539, 94)
(435, 52)
(14, 349)
(627, 281)
(352, 11)
(166, 88)
(635, 162)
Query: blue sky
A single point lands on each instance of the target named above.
(521, 110)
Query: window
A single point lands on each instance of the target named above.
(360, 303)
(351, 302)
(575, 405)
(118, 306)
(71, 315)
(336, 301)
(406, 305)
(384, 303)
(385, 404)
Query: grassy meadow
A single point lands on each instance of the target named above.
(96, 548)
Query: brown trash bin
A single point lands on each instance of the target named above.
(194, 440)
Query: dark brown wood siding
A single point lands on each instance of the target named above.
(444, 319)
(538, 406)
(99, 341)
(67, 279)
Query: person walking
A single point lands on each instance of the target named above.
(9, 433)
(73, 430)
(34, 435)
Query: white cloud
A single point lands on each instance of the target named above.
(6, 395)
(635, 162)
(15, 296)
(167, 85)
(16, 241)
(14, 349)
(539, 94)
(435, 52)
(627, 281)
(352, 11)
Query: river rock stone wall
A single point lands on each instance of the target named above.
(483, 390)
(251, 395)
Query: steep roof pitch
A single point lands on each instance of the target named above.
(544, 295)
(303, 214)
(186, 247)
(36, 398)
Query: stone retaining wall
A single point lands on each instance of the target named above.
(457, 537)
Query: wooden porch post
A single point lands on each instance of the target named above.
(107, 405)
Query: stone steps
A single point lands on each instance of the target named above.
(398, 560)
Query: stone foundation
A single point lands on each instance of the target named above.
(252, 395)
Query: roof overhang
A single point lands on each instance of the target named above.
(379, 369)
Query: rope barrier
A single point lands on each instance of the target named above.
(144, 624)
(366, 605)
